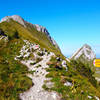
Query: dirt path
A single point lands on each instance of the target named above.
(37, 92)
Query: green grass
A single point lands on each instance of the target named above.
(13, 79)
(84, 70)
(97, 75)
(31, 34)
(80, 89)
(45, 87)
(40, 54)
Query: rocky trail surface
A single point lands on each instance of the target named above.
(36, 92)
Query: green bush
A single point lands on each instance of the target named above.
(45, 87)
(32, 63)
(40, 53)
(38, 60)
(38, 66)
(16, 35)
(13, 79)
(13, 35)
(84, 70)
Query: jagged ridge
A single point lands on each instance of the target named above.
(26, 24)
(85, 51)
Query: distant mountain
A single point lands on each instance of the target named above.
(84, 53)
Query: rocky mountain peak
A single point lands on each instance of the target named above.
(84, 52)
(15, 18)
(20, 20)
(39, 28)
(86, 46)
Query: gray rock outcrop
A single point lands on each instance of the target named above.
(85, 52)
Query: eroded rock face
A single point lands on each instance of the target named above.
(84, 52)
(15, 18)
(41, 29)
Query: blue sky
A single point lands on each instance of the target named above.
(71, 23)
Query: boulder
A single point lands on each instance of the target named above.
(68, 83)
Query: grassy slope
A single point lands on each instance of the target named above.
(13, 74)
(13, 79)
(90, 63)
(29, 33)
(81, 88)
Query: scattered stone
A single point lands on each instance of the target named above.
(58, 66)
(49, 63)
(68, 83)
(97, 98)
(64, 64)
(90, 97)
(82, 92)
(49, 84)
(58, 59)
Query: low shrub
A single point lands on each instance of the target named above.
(32, 63)
(40, 53)
(38, 66)
(38, 59)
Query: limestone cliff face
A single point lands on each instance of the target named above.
(85, 52)
(15, 18)
(25, 24)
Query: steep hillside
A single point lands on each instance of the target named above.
(26, 30)
(33, 68)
